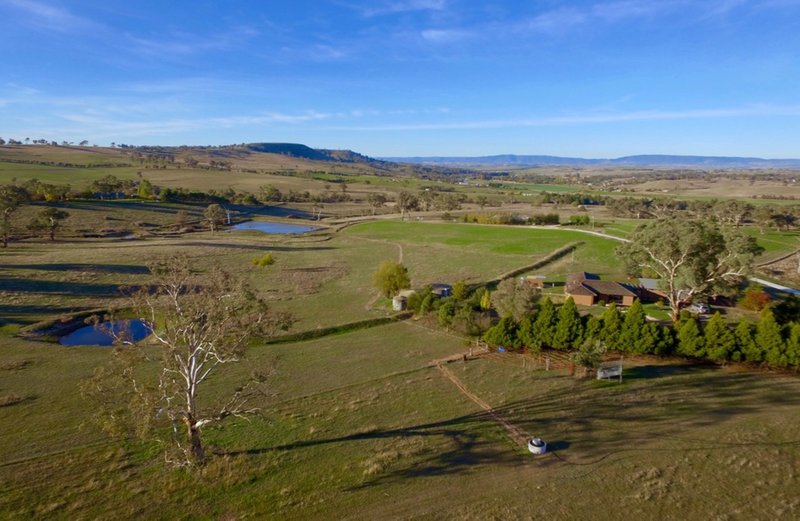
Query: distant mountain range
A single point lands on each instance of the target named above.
(512, 160)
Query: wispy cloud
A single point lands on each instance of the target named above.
(50, 17)
(446, 35)
(557, 20)
(591, 119)
(402, 6)
(563, 19)
(185, 43)
(622, 9)
(103, 127)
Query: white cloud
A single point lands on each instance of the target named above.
(184, 43)
(46, 16)
(763, 110)
(403, 6)
(445, 35)
(557, 20)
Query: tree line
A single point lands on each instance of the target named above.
(773, 340)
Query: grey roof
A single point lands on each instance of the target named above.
(648, 283)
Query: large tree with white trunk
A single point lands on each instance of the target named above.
(199, 323)
(691, 258)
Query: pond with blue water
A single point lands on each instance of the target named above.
(273, 227)
(103, 334)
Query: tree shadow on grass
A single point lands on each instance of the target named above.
(645, 372)
(126, 269)
(50, 287)
(667, 411)
(23, 314)
(468, 448)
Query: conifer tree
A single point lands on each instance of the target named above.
(746, 349)
(544, 326)
(569, 328)
(793, 344)
(504, 333)
(612, 327)
(525, 334)
(769, 340)
(636, 336)
(690, 338)
(720, 341)
(665, 339)
(592, 329)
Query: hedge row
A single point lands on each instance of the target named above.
(767, 341)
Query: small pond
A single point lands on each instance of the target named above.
(99, 335)
(273, 227)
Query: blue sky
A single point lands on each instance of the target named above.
(600, 78)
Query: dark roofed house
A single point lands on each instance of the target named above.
(649, 291)
(441, 290)
(587, 290)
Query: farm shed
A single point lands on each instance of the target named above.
(400, 301)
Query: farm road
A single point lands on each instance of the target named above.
(514, 432)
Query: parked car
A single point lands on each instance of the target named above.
(699, 308)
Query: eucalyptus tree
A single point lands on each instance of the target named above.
(12, 197)
(690, 257)
(196, 329)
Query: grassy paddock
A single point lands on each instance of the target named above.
(361, 417)
(361, 425)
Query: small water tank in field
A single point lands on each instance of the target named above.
(537, 446)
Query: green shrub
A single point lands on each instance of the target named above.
(264, 261)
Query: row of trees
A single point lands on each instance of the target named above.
(27, 141)
(510, 218)
(768, 341)
(726, 212)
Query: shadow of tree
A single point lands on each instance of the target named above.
(584, 425)
(127, 269)
(51, 287)
(24, 314)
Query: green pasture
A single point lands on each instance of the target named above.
(362, 425)
(358, 418)
(775, 243)
(323, 279)
(480, 252)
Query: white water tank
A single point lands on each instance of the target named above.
(537, 446)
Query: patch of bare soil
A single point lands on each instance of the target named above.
(714, 187)
(787, 270)
(307, 281)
